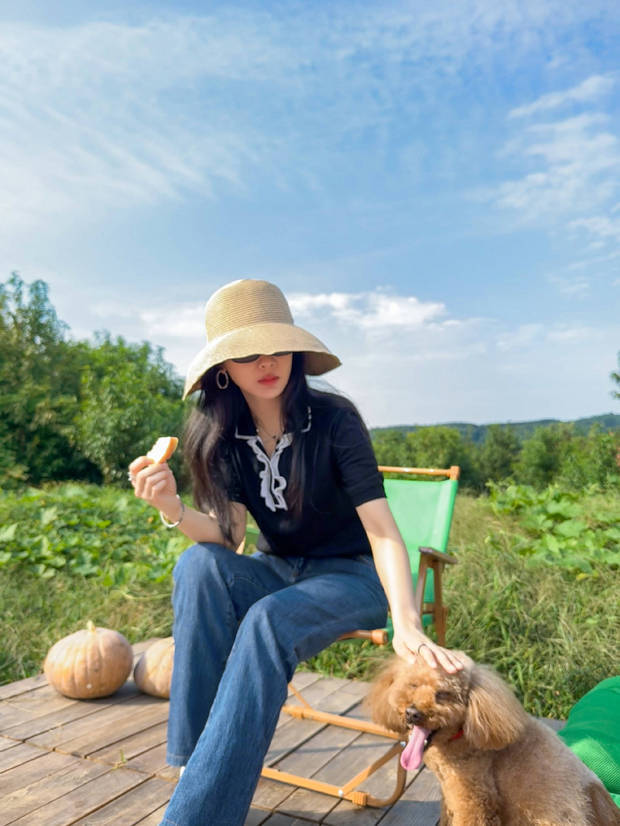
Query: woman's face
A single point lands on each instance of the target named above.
(264, 378)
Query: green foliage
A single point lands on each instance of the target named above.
(107, 558)
(86, 531)
(577, 532)
(552, 637)
(477, 433)
(75, 410)
(557, 453)
(39, 375)
(128, 394)
(541, 456)
(37, 612)
(438, 447)
(499, 453)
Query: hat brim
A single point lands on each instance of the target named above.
(261, 338)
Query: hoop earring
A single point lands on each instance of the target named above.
(222, 379)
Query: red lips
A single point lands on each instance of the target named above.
(268, 380)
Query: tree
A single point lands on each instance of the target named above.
(499, 453)
(542, 455)
(129, 396)
(39, 374)
(442, 447)
(615, 376)
(590, 459)
(390, 447)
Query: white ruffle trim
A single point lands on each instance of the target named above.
(272, 483)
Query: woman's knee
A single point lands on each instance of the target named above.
(198, 563)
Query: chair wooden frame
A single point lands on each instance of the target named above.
(430, 559)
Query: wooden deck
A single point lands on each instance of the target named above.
(102, 761)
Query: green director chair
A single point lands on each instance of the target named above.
(422, 502)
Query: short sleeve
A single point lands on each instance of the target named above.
(355, 460)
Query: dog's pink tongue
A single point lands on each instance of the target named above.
(411, 758)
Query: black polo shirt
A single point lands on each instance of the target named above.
(340, 474)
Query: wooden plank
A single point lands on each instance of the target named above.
(153, 761)
(5, 743)
(302, 679)
(104, 734)
(20, 753)
(256, 817)
(154, 819)
(345, 765)
(19, 687)
(419, 805)
(23, 802)
(68, 711)
(105, 717)
(326, 695)
(124, 750)
(48, 762)
(129, 807)
(85, 799)
(306, 760)
(381, 785)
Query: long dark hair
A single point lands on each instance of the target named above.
(211, 427)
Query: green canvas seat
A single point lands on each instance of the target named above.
(422, 506)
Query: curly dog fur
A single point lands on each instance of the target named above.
(497, 766)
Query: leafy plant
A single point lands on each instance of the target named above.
(577, 532)
(87, 531)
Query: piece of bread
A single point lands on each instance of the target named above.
(163, 449)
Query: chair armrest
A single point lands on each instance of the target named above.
(438, 555)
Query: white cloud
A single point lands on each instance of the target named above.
(110, 115)
(371, 311)
(578, 169)
(599, 227)
(525, 335)
(588, 90)
(572, 286)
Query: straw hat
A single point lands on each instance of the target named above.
(247, 317)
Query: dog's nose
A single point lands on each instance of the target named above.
(413, 717)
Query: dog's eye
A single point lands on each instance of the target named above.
(443, 697)
(413, 686)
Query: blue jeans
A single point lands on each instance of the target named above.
(241, 625)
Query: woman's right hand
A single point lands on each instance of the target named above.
(155, 483)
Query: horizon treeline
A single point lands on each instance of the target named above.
(82, 410)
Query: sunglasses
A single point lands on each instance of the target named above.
(248, 359)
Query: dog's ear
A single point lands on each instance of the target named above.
(378, 700)
(494, 717)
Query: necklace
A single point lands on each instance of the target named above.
(259, 426)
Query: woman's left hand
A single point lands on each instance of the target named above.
(410, 643)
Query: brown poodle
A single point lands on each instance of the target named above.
(497, 766)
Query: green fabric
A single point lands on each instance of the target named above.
(423, 512)
(592, 731)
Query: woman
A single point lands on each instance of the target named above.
(301, 462)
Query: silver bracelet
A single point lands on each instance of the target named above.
(179, 520)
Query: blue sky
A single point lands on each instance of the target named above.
(436, 187)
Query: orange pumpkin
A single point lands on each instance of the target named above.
(153, 671)
(94, 662)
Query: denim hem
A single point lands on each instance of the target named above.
(177, 760)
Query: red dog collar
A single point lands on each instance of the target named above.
(457, 736)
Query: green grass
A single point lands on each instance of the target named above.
(552, 633)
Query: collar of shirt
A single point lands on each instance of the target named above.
(272, 483)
